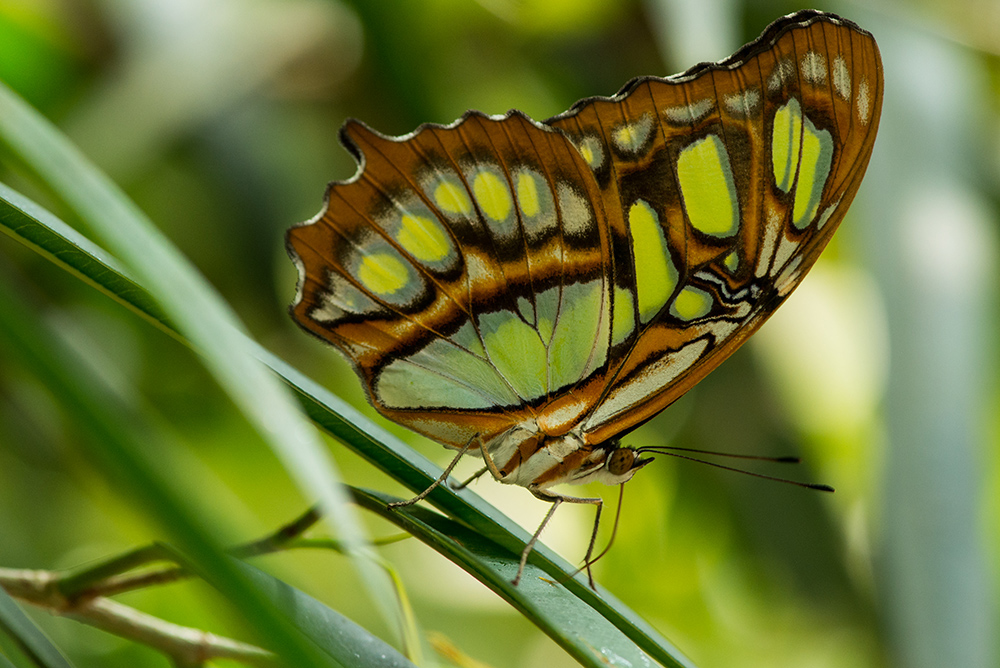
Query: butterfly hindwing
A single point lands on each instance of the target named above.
(463, 271)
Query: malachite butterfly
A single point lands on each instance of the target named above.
(531, 291)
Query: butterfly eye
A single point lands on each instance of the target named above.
(620, 461)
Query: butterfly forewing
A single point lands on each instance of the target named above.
(747, 170)
(585, 272)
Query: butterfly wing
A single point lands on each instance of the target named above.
(731, 177)
(591, 270)
(463, 271)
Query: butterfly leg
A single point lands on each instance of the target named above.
(587, 561)
(556, 500)
(475, 476)
(441, 478)
(491, 466)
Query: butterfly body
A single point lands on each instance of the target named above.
(526, 456)
(531, 291)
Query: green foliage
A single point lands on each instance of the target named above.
(218, 121)
(564, 615)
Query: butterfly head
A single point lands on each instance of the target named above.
(612, 464)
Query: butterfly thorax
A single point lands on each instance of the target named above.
(524, 455)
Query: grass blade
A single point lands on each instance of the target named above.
(136, 458)
(336, 635)
(28, 637)
(198, 312)
(581, 630)
(374, 444)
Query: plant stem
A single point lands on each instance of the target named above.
(111, 577)
(184, 645)
(83, 595)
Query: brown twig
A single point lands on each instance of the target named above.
(83, 595)
(184, 645)
(109, 578)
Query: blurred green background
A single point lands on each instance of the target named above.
(220, 118)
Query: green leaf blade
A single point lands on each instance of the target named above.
(198, 313)
(416, 472)
(335, 635)
(28, 637)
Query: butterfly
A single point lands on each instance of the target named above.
(531, 291)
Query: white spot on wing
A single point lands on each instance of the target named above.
(743, 104)
(538, 213)
(841, 78)
(577, 217)
(721, 329)
(771, 230)
(789, 277)
(782, 71)
(300, 268)
(630, 137)
(343, 296)
(327, 311)
(825, 216)
(568, 413)
(785, 250)
(689, 113)
(592, 150)
(813, 67)
(864, 101)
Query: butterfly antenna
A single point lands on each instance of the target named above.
(673, 452)
(661, 449)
